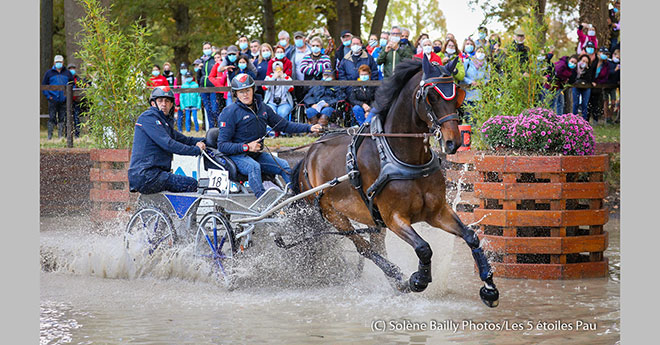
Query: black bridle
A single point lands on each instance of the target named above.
(422, 94)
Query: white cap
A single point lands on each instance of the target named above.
(59, 58)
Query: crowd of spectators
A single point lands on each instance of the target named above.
(314, 56)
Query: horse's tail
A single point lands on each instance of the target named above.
(295, 177)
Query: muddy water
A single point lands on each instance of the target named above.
(94, 292)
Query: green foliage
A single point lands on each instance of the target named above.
(513, 85)
(425, 15)
(115, 62)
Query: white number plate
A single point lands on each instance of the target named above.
(219, 179)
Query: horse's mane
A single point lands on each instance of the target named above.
(390, 88)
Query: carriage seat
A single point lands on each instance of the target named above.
(223, 160)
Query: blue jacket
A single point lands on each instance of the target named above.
(240, 125)
(53, 77)
(262, 69)
(348, 67)
(154, 143)
(205, 71)
(330, 94)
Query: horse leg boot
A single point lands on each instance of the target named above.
(419, 280)
(449, 221)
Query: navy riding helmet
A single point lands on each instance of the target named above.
(241, 81)
(161, 92)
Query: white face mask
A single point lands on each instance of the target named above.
(395, 39)
(591, 33)
(480, 56)
(427, 49)
(450, 51)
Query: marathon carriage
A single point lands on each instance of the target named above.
(221, 217)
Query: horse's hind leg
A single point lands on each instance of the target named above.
(449, 221)
(365, 249)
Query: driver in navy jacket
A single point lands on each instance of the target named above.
(154, 143)
(242, 128)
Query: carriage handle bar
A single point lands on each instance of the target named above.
(284, 203)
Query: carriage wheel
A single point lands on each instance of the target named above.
(215, 242)
(149, 229)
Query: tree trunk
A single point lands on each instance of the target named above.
(595, 12)
(73, 11)
(539, 16)
(181, 48)
(269, 34)
(46, 45)
(379, 17)
(343, 8)
(356, 16)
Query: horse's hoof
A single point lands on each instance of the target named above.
(490, 297)
(418, 282)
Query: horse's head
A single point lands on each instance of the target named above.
(437, 100)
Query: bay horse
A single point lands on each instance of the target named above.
(419, 98)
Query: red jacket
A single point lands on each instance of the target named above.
(434, 57)
(218, 79)
(287, 66)
(158, 81)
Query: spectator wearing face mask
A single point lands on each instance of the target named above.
(218, 78)
(361, 97)
(418, 42)
(614, 78)
(393, 53)
(468, 48)
(183, 69)
(243, 45)
(448, 53)
(283, 41)
(58, 75)
(427, 49)
(564, 72)
(492, 41)
(519, 48)
(344, 48)
(261, 62)
(315, 62)
(278, 97)
(231, 65)
(280, 55)
(382, 42)
(437, 45)
(372, 44)
(614, 30)
(168, 74)
(601, 74)
(583, 38)
(76, 99)
(405, 40)
(156, 78)
(209, 101)
(481, 40)
(190, 103)
(584, 77)
(348, 69)
(321, 100)
(477, 72)
(302, 49)
(255, 47)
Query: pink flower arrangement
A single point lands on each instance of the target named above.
(566, 134)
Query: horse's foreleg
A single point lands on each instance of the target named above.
(449, 221)
(377, 241)
(418, 280)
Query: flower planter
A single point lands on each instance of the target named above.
(460, 177)
(543, 216)
(109, 195)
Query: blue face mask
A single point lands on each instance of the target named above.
(189, 80)
(72, 71)
(283, 43)
(266, 54)
(383, 42)
(58, 65)
(364, 77)
(279, 56)
(242, 65)
(616, 10)
(589, 50)
(231, 57)
(482, 35)
(469, 48)
(298, 42)
(603, 57)
(155, 73)
(572, 65)
(316, 50)
(243, 45)
(404, 41)
(183, 71)
(346, 43)
(196, 69)
(207, 52)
